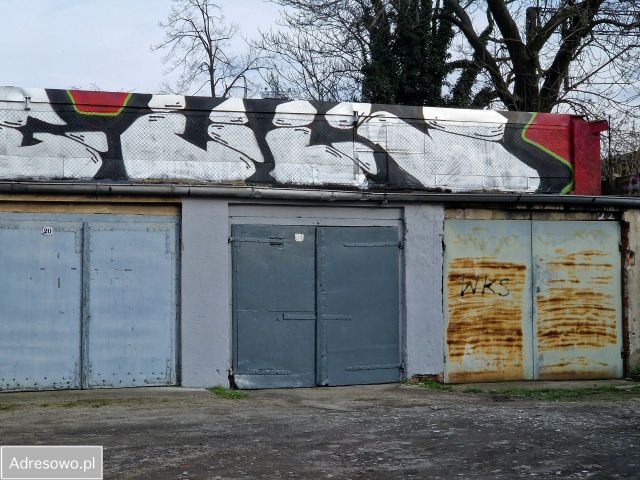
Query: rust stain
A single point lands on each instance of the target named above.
(581, 361)
(583, 258)
(572, 311)
(576, 367)
(575, 374)
(574, 264)
(490, 375)
(485, 297)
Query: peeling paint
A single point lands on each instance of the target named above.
(577, 300)
(485, 316)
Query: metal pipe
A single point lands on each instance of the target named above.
(255, 192)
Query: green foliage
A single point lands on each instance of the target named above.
(408, 46)
(473, 390)
(433, 385)
(535, 393)
(223, 392)
(379, 82)
(8, 407)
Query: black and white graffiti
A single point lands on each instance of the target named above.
(80, 135)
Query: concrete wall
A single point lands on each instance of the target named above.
(206, 316)
(54, 134)
(632, 271)
(424, 230)
(206, 281)
(206, 310)
(206, 319)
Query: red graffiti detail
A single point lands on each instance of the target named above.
(547, 131)
(99, 102)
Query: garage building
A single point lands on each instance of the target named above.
(166, 240)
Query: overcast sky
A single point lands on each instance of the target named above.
(80, 43)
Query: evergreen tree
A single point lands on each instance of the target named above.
(379, 83)
(408, 53)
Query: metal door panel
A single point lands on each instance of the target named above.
(274, 306)
(40, 298)
(358, 305)
(131, 304)
(577, 311)
(487, 296)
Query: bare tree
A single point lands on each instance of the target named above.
(197, 42)
(317, 51)
(533, 55)
(571, 56)
(547, 55)
(621, 149)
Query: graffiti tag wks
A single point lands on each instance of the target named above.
(484, 327)
(483, 284)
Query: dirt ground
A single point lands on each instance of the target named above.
(369, 432)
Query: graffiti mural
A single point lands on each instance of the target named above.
(81, 135)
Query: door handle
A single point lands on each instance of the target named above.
(337, 317)
(298, 316)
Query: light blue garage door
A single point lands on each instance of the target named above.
(131, 304)
(87, 301)
(40, 305)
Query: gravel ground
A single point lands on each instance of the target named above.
(369, 432)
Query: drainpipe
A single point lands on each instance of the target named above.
(269, 193)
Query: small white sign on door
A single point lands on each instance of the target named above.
(47, 231)
(299, 237)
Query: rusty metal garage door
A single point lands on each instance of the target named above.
(527, 300)
(577, 308)
(487, 300)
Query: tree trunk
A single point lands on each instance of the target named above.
(211, 81)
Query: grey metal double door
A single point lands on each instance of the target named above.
(315, 305)
(86, 303)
